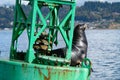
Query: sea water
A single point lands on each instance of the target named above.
(103, 51)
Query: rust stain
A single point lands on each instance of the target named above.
(66, 70)
(49, 71)
(24, 68)
(24, 65)
(45, 78)
(40, 73)
(62, 72)
(35, 67)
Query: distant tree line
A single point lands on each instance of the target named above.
(89, 12)
(6, 16)
(92, 11)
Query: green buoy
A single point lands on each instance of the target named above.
(26, 65)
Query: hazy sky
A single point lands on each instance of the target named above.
(82, 1)
(79, 2)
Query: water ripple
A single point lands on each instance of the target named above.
(103, 50)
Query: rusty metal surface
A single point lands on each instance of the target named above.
(25, 71)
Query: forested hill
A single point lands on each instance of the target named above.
(89, 12)
(92, 11)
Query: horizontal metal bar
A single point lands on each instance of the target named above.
(58, 2)
(66, 2)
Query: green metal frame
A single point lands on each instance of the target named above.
(21, 22)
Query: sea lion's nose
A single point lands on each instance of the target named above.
(85, 26)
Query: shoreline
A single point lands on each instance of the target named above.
(9, 29)
(5, 29)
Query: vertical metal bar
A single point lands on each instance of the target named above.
(48, 15)
(28, 24)
(57, 24)
(52, 23)
(30, 54)
(61, 28)
(12, 48)
(43, 21)
(71, 31)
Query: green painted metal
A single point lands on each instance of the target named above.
(22, 22)
(16, 70)
(31, 65)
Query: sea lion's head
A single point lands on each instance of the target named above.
(80, 27)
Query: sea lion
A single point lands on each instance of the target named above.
(79, 46)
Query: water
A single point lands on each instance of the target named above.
(5, 41)
(104, 51)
